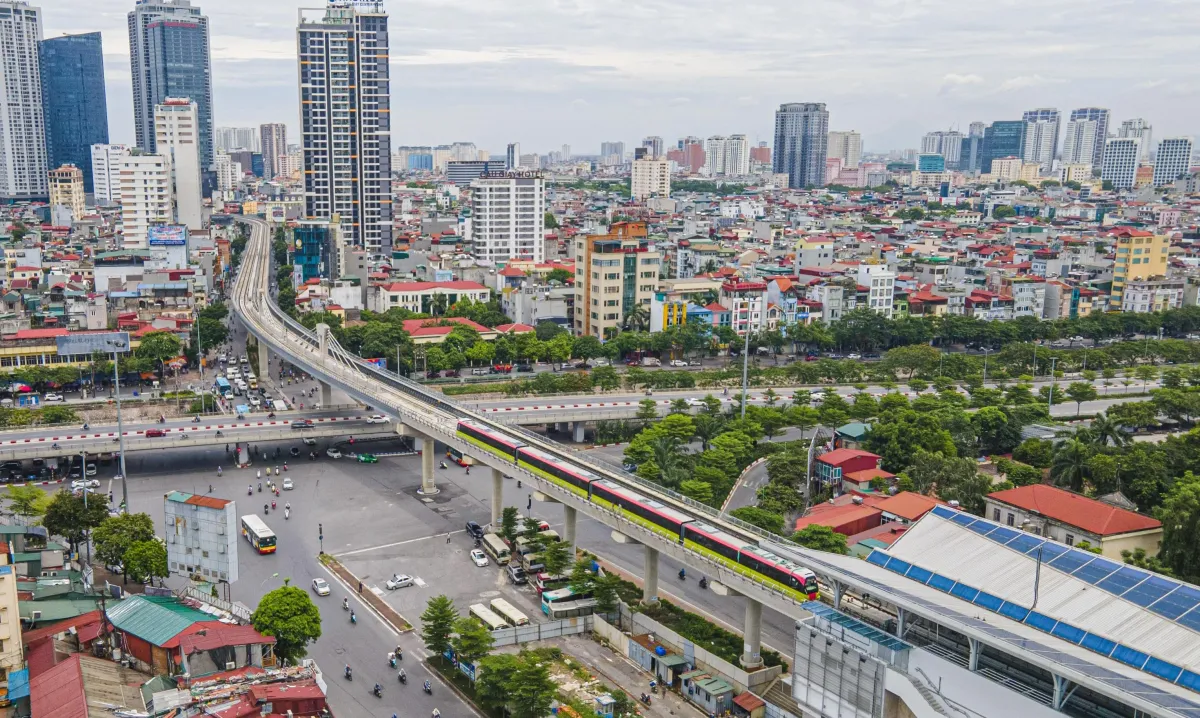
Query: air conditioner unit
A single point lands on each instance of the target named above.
(171, 538)
(221, 549)
(36, 616)
(230, 665)
(220, 530)
(195, 525)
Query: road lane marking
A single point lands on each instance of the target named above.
(398, 543)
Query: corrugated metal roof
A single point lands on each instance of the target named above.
(154, 619)
(58, 693)
(949, 549)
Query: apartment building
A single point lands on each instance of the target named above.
(1172, 160)
(145, 196)
(614, 273)
(22, 133)
(66, 189)
(1152, 295)
(508, 216)
(106, 173)
(422, 296)
(880, 283)
(651, 177)
(1121, 157)
(1140, 255)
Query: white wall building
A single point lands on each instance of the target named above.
(651, 177)
(727, 155)
(202, 533)
(1041, 136)
(882, 282)
(1121, 157)
(23, 161)
(229, 173)
(274, 146)
(237, 138)
(508, 216)
(177, 137)
(1173, 159)
(947, 143)
(1138, 129)
(106, 173)
(845, 145)
(145, 196)
(1079, 144)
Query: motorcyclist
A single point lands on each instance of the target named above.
(377, 690)
(219, 471)
(348, 672)
(345, 603)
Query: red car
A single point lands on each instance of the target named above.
(502, 368)
(151, 433)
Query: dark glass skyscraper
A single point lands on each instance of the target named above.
(73, 100)
(169, 57)
(801, 143)
(1004, 138)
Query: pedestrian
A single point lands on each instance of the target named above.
(360, 586)
(530, 506)
(447, 537)
(468, 471)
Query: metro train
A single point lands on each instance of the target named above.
(737, 554)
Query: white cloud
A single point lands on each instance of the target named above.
(956, 79)
(1024, 81)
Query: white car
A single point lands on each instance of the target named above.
(478, 557)
(377, 419)
(693, 401)
(53, 397)
(91, 471)
(83, 484)
(678, 362)
(399, 580)
(287, 483)
(320, 587)
(333, 453)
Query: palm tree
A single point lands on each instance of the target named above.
(710, 266)
(1070, 464)
(708, 427)
(637, 316)
(668, 455)
(439, 305)
(1105, 429)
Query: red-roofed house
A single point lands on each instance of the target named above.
(435, 331)
(419, 296)
(1070, 518)
(852, 468)
(514, 328)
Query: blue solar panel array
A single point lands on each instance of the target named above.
(1121, 684)
(1023, 614)
(1171, 599)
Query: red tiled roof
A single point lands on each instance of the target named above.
(838, 516)
(210, 502)
(748, 701)
(840, 456)
(78, 622)
(517, 328)
(39, 333)
(863, 475)
(511, 272)
(58, 693)
(433, 327)
(1075, 509)
(207, 635)
(908, 505)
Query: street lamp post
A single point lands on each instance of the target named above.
(985, 355)
(120, 430)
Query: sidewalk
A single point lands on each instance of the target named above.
(617, 671)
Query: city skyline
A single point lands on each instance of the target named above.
(539, 88)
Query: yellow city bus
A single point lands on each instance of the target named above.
(260, 536)
(509, 612)
(495, 547)
(487, 617)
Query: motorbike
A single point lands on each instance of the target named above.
(285, 467)
(353, 618)
(392, 661)
(287, 514)
(428, 688)
(260, 487)
(646, 698)
(55, 445)
(249, 490)
(703, 583)
(277, 471)
(162, 419)
(402, 677)
(272, 504)
(86, 427)
(443, 465)
(271, 415)
(221, 433)
(219, 474)
(348, 674)
(378, 691)
(266, 509)
(196, 420)
(682, 574)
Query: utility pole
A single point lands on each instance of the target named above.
(1050, 394)
(120, 430)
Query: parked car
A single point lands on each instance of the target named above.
(451, 373)
(320, 587)
(294, 451)
(516, 574)
(474, 530)
(377, 419)
(678, 363)
(478, 557)
(399, 580)
(695, 362)
(82, 484)
(523, 367)
(52, 397)
(91, 470)
(333, 453)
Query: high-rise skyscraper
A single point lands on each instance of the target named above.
(1140, 129)
(1079, 142)
(612, 153)
(145, 192)
(650, 177)
(228, 139)
(1041, 136)
(73, 100)
(1003, 138)
(1172, 159)
(727, 155)
(273, 140)
(654, 143)
(106, 173)
(175, 123)
(801, 143)
(345, 119)
(1100, 116)
(846, 146)
(169, 57)
(947, 143)
(1121, 157)
(22, 131)
(508, 217)
(512, 156)
(977, 129)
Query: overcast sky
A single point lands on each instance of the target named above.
(549, 72)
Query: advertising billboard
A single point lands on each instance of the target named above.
(73, 344)
(169, 235)
(278, 214)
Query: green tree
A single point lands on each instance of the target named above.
(471, 640)
(437, 624)
(701, 491)
(765, 520)
(1079, 392)
(532, 689)
(551, 222)
(679, 427)
(158, 347)
(508, 524)
(1035, 452)
(821, 538)
(970, 493)
(496, 675)
(1180, 517)
(556, 557)
(67, 516)
(146, 560)
(1018, 473)
(1070, 465)
(288, 614)
(647, 410)
(117, 534)
(606, 378)
(27, 501)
